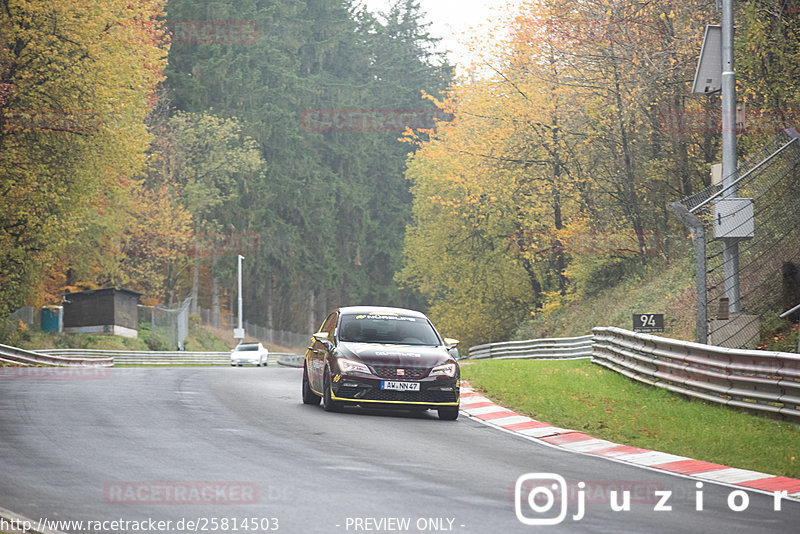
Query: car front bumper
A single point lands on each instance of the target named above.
(242, 361)
(436, 392)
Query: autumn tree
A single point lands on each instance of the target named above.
(768, 67)
(565, 142)
(77, 82)
(212, 167)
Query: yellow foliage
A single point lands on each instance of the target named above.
(83, 77)
(547, 163)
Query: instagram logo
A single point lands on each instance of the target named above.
(539, 493)
(541, 498)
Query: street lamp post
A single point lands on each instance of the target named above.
(238, 333)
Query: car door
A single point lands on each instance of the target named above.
(317, 352)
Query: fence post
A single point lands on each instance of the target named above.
(699, 237)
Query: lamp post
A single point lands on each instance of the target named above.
(238, 333)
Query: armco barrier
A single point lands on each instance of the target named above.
(291, 360)
(139, 357)
(25, 357)
(551, 348)
(751, 379)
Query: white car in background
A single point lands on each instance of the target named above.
(249, 353)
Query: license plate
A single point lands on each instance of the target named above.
(400, 386)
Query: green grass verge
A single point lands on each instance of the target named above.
(659, 287)
(583, 396)
(199, 339)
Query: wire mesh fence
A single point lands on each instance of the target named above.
(281, 338)
(168, 327)
(746, 173)
(768, 263)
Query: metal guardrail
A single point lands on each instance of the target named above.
(550, 348)
(291, 360)
(23, 357)
(139, 357)
(764, 381)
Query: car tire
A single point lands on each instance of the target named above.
(327, 402)
(309, 397)
(448, 414)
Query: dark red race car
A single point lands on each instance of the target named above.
(382, 357)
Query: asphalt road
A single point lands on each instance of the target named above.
(236, 444)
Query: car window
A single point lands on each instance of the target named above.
(392, 329)
(330, 325)
(247, 347)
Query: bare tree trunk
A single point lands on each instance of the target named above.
(170, 286)
(312, 323)
(558, 221)
(270, 325)
(322, 305)
(215, 311)
(195, 282)
(629, 194)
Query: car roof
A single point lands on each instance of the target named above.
(379, 310)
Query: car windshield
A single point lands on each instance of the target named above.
(388, 328)
(247, 347)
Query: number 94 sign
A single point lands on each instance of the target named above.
(648, 322)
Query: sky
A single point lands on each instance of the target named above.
(451, 18)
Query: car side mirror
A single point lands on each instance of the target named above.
(322, 337)
(451, 345)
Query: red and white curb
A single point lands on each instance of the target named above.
(481, 408)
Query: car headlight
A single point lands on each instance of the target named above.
(349, 366)
(446, 369)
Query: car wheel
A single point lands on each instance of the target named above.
(449, 413)
(309, 397)
(327, 402)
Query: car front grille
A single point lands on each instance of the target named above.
(432, 396)
(409, 373)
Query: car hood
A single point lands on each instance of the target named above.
(389, 355)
